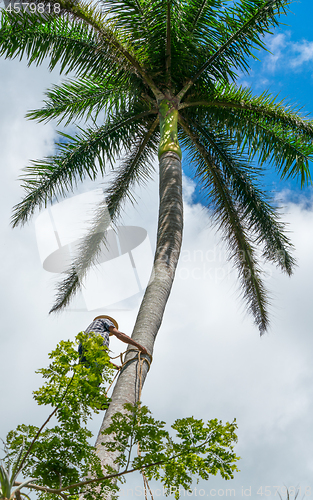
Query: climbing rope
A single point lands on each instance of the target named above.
(149, 361)
(120, 368)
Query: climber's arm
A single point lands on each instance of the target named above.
(125, 338)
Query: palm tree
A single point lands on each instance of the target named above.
(163, 73)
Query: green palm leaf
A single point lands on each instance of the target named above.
(270, 132)
(135, 169)
(240, 30)
(230, 221)
(58, 174)
(223, 98)
(72, 44)
(85, 98)
(259, 216)
(80, 41)
(289, 153)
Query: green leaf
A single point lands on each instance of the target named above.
(83, 98)
(62, 456)
(257, 214)
(135, 169)
(227, 216)
(58, 174)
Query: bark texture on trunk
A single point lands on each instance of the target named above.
(149, 319)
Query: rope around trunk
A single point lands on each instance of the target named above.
(120, 368)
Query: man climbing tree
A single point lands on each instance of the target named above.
(106, 327)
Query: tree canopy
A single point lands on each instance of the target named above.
(157, 76)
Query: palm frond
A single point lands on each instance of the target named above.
(135, 169)
(146, 26)
(271, 138)
(238, 99)
(113, 38)
(198, 27)
(186, 43)
(132, 19)
(58, 174)
(241, 29)
(199, 13)
(259, 216)
(72, 44)
(86, 97)
(230, 221)
(168, 51)
(81, 40)
(288, 153)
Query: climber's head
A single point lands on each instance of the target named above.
(103, 316)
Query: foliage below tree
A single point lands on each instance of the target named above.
(61, 460)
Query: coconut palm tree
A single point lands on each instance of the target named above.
(163, 74)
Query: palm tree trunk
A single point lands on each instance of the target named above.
(149, 319)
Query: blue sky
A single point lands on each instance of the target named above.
(287, 72)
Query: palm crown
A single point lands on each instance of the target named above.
(163, 73)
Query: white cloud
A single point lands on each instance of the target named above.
(285, 55)
(209, 360)
(275, 44)
(304, 50)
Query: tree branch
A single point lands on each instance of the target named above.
(43, 425)
(59, 491)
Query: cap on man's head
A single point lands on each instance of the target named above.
(107, 317)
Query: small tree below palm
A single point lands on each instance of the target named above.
(163, 74)
(60, 459)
